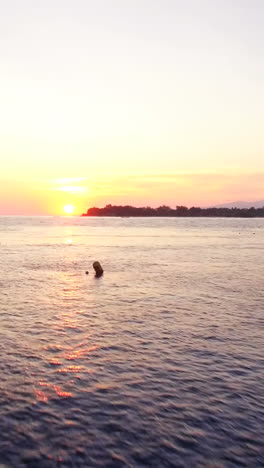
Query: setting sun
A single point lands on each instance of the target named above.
(68, 209)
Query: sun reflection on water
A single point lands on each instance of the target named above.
(70, 362)
(51, 389)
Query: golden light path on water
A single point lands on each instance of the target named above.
(65, 355)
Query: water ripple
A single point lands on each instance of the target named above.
(159, 363)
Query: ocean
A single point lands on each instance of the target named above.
(158, 363)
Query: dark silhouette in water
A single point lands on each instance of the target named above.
(98, 269)
(179, 211)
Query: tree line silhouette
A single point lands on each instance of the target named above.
(178, 211)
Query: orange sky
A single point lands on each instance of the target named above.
(135, 102)
(202, 189)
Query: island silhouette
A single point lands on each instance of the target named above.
(178, 211)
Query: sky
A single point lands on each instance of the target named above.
(142, 102)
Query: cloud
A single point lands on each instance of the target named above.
(72, 189)
(72, 180)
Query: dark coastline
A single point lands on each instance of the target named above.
(180, 211)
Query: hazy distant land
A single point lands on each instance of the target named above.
(179, 211)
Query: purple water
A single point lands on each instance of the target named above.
(159, 363)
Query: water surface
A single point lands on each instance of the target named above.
(159, 363)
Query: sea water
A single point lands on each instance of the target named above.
(158, 363)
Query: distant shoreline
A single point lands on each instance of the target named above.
(167, 212)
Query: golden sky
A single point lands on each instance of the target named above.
(140, 102)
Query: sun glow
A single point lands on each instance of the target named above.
(68, 209)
